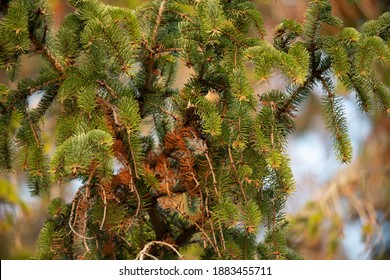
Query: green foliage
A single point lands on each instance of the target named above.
(294, 64)
(210, 116)
(53, 241)
(78, 154)
(336, 122)
(379, 27)
(214, 169)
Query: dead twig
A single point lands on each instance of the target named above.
(105, 207)
(145, 251)
(73, 214)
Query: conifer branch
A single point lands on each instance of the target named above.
(315, 74)
(157, 24)
(117, 49)
(314, 31)
(286, 107)
(153, 44)
(46, 84)
(233, 165)
(215, 170)
(331, 97)
(32, 128)
(336, 122)
(41, 48)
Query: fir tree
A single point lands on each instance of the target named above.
(213, 171)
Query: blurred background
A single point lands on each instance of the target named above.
(337, 212)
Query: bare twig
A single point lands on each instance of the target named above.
(85, 221)
(161, 52)
(145, 251)
(133, 188)
(105, 206)
(113, 110)
(212, 171)
(75, 232)
(176, 118)
(151, 256)
(184, 16)
(209, 213)
(33, 130)
(222, 236)
(204, 149)
(199, 228)
(127, 242)
(106, 86)
(345, 186)
(132, 155)
(73, 213)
